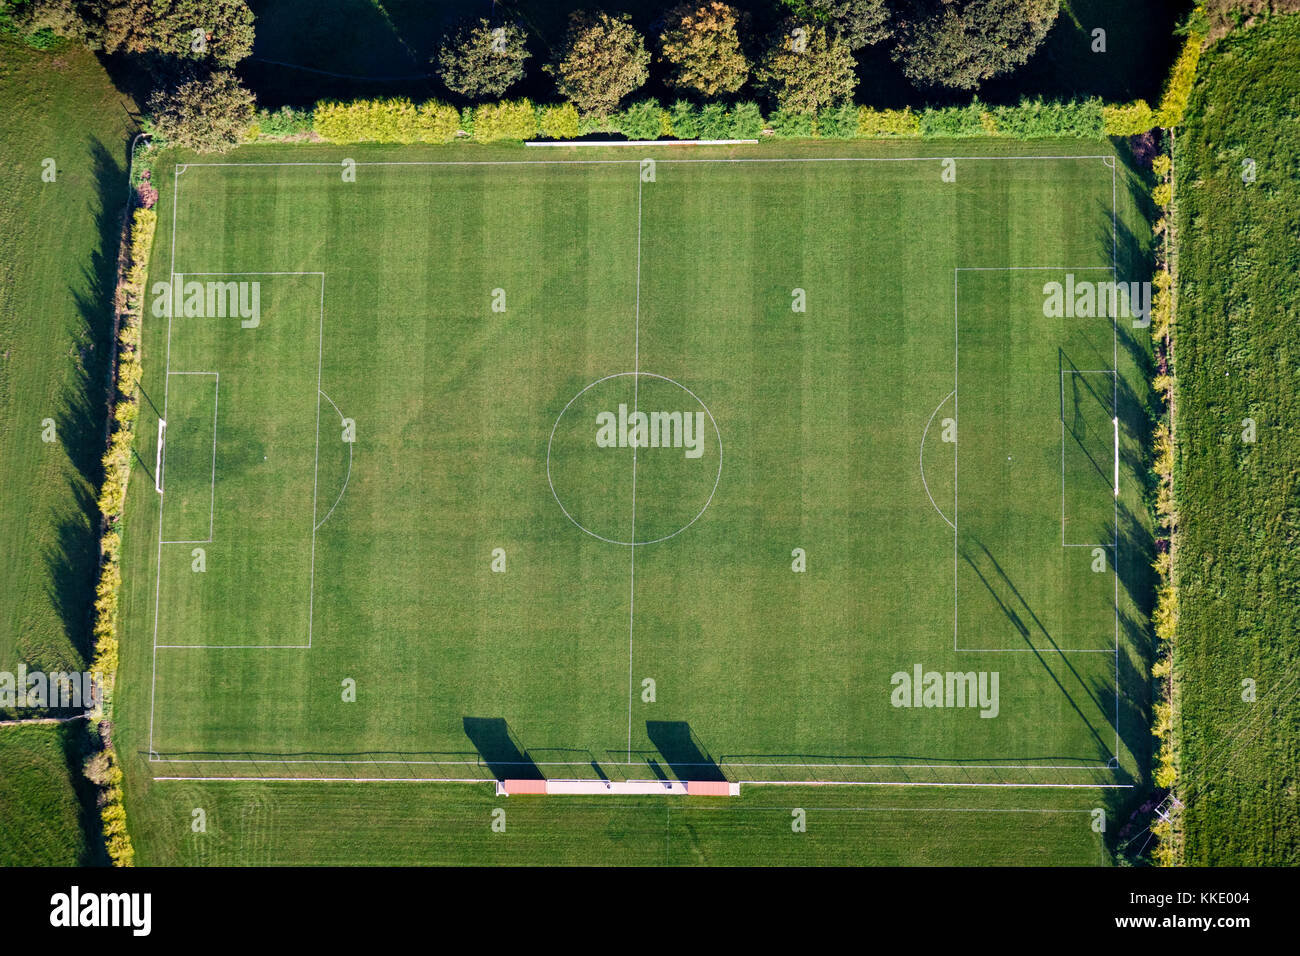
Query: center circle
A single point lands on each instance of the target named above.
(678, 458)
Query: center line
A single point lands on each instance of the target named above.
(636, 382)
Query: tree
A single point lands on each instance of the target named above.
(128, 26)
(701, 45)
(961, 43)
(200, 29)
(858, 22)
(807, 68)
(64, 18)
(208, 114)
(482, 61)
(604, 60)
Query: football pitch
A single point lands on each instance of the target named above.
(641, 465)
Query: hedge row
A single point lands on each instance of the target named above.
(1173, 104)
(401, 121)
(112, 498)
(1164, 616)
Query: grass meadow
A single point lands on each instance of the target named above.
(56, 281)
(1237, 563)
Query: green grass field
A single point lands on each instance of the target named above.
(56, 320)
(56, 280)
(648, 620)
(41, 822)
(1237, 560)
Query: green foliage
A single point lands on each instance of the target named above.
(684, 118)
(48, 24)
(746, 120)
(483, 60)
(559, 122)
(838, 122)
(959, 121)
(714, 122)
(1173, 104)
(1128, 119)
(283, 123)
(961, 43)
(791, 125)
(385, 121)
(515, 119)
(436, 122)
(219, 31)
(640, 120)
(882, 123)
(859, 22)
(1034, 119)
(208, 115)
(367, 121)
(604, 59)
(807, 68)
(701, 46)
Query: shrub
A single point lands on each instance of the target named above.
(838, 122)
(1033, 119)
(436, 122)
(367, 121)
(877, 123)
(685, 120)
(283, 123)
(505, 120)
(791, 125)
(1173, 104)
(641, 120)
(98, 768)
(559, 122)
(209, 114)
(949, 121)
(746, 121)
(714, 123)
(1128, 119)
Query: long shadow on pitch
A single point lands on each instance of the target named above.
(681, 751)
(498, 749)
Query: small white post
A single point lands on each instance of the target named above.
(157, 465)
(1115, 422)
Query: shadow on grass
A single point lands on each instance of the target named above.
(499, 749)
(681, 750)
